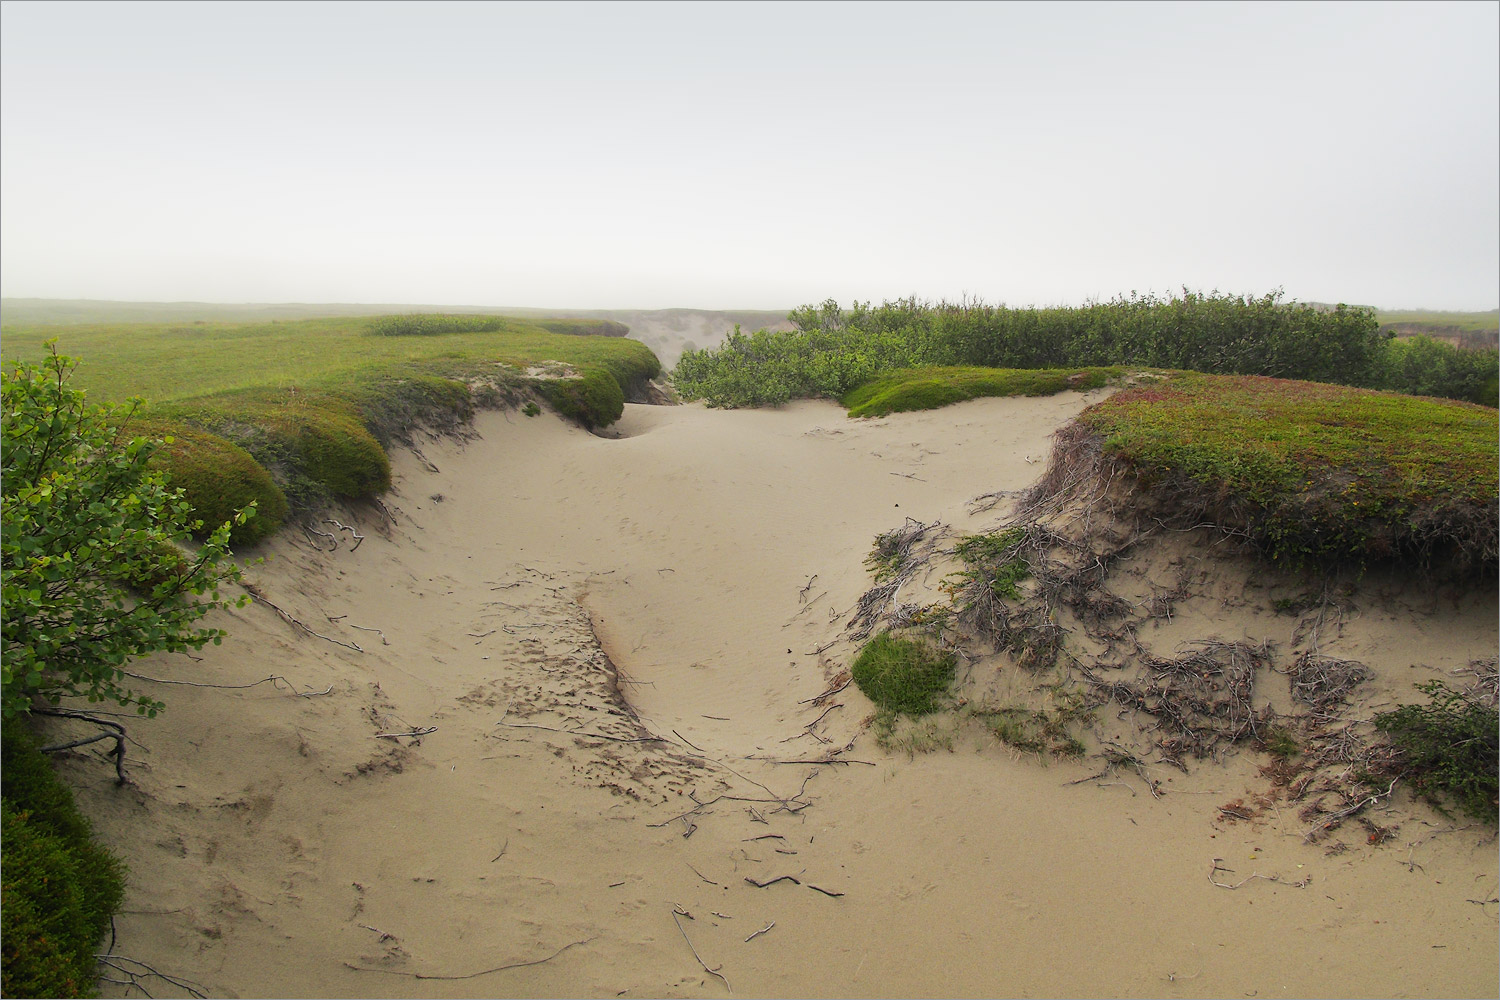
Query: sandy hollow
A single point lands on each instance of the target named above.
(618, 646)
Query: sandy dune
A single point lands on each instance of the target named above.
(605, 632)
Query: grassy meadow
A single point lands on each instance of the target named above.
(291, 415)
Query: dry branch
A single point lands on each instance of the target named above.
(712, 972)
(468, 975)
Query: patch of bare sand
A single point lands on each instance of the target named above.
(606, 633)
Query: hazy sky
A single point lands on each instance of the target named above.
(749, 156)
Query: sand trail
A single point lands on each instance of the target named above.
(617, 639)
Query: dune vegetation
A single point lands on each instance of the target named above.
(292, 415)
(834, 350)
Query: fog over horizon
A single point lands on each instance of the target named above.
(749, 156)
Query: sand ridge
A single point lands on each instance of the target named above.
(621, 643)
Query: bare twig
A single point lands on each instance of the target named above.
(423, 731)
(274, 680)
(344, 527)
(362, 628)
(712, 972)
(780, 878)
(136, 970)
(701, 875)
(469, 975)
(260, 598)
(758, 933)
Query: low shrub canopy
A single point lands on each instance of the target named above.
(60, 887)
(92, 575)
(902, 675)
(1450, 749)
(1314, 472)
(834, 350)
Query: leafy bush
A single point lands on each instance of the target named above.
(834, 350)
(86, 525)
(432, 324)
(1450, 748)
(902, 675)
(1422, 366)
(60, 888)
(593, 399)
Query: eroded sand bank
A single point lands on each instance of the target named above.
(677, 594)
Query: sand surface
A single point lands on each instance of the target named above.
(607, 632)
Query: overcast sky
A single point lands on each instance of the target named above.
(749, 156)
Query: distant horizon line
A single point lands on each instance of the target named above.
(634, 308)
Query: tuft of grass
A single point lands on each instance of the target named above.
(1044, 732)
(933, 387)
(905, 676)
(60, 888)
(1312, 472)
(1450, 749)
(893, 734)
(1281, 743)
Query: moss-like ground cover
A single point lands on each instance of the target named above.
(932, 387)
(1311, 471)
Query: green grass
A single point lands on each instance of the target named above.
(1437, 318)
(905, 676)
(295, 414)
(932, 387)
(1314, 472)
(163, 362)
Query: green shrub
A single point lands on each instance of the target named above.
(432, 324)
(902, 675)
(1450, 749)
(1422, 366)
(218, 478)
(835, 350)
(593, 399)
(86, 525)
(60, 888)
(992, 558)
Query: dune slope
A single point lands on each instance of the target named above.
(613, 650)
